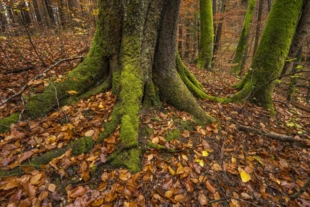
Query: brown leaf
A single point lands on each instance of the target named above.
(210, 187)
(78, 191)
(202, 199)
(169, 193)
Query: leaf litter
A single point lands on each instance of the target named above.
(212, 165)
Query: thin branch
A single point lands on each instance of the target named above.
(276, 136)
(302, 190)
(37, 77)
(19, 70)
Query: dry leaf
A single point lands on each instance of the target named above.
(202, 199)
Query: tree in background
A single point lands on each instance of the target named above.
(134, 54)
(206, 35)
(258, 84)
(242, 43)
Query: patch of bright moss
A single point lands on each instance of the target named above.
(173, 134)
(6, 122)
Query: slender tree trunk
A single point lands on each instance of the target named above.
(294, 78)
(257, 86)
(134, 54)
(259, 18)
(48, 5)
(3, 21)
(242, 43)
(206, 35)
(219, 28)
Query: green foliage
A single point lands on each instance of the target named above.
(5, 123)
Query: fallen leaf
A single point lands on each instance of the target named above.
(202, 199)
(169, 193)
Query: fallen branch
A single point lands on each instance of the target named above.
(37, 77)
(276, 136)
(18, 70)
(300, 106)
(302, 190)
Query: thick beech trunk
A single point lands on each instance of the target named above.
(242, 44)
(134, 53)
(206, 35)
(258, 84)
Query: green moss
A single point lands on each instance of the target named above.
(6, 122)
(129, 159)
(240, 51)
(173, 134)
(206, 35)
(81, 145)
(47, 157)
(268, 61)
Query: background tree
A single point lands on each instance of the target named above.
(258, 84)
(206, 35)
(242, 43)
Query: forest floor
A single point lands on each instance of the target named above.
(214, 165)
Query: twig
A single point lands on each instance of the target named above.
(30, 40)
(276, 136)
(302, 190)
(37, 77)
(18, 70)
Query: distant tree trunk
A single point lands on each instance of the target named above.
(3, 20)
(63, 13)
(242, 43)
(37, 11)
(24, 11)
(258, 84)
(50, 12)
(206, 35)
(269, 4)
(74, 7)
(302, 32)
(294, 77)
(219, 28)
(259, 18)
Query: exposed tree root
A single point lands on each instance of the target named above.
(276, 136)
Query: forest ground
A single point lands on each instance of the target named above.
(197, 165)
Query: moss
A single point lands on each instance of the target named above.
(129, 159)
(241, 47)
(47, 157)
(268, 61)
(6, 122)
(206, 35)
(81, 145)
(173, 134)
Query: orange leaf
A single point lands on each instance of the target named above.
(168, 193)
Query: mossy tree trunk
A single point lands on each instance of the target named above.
(134, 54)
(242, 43)
(302, 32)
(206, 35)
(258, 84)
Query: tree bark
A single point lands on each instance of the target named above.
(259, 18)
(302, 32)
(206, 35)
(242, 43)
(258, 84)
(134, 54)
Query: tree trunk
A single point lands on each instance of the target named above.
(50, 12)
(302, 32)
(219, 28)
(37, 11)
(241, 47)
(206, 35)
(259, 18)
(134, 53)
(258, 84)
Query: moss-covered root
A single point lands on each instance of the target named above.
(6, 122)
(79, 146)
